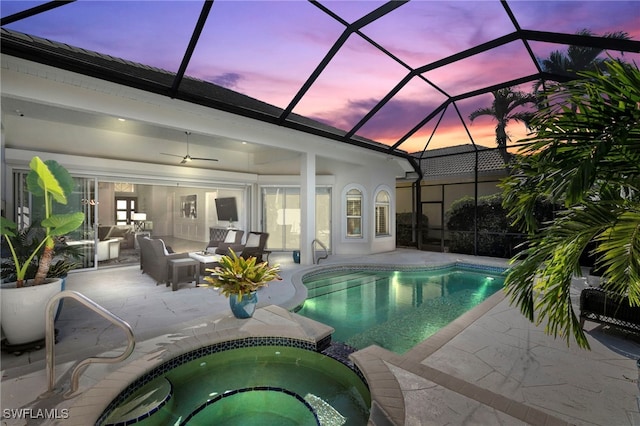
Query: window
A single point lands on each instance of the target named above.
(282, 216)
(124, 187)
(125, 208)
(382, 213)
(354, 214)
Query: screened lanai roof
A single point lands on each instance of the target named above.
(399, 76)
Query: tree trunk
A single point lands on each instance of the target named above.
(44, 265)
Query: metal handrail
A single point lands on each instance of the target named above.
(313, 251)
(82, 365)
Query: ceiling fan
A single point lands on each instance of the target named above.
(187, 158)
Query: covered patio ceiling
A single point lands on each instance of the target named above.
(397, 77)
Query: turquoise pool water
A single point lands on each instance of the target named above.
(395, 309)
(261, 385)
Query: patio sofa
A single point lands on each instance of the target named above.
(108, 249)
(124, 233)
(599, 305)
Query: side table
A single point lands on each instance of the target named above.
(175, 265)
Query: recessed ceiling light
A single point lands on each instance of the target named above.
(121, 119)
(244, 143)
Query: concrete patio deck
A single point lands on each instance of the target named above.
(489, 367)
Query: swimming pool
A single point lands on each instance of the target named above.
(249, 385)
(395, 309)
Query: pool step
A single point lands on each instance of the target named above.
(147, 400)
(327, 415)
(344, 283)
(337, 279)
(331, 277)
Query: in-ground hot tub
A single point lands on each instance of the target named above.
(255, 383)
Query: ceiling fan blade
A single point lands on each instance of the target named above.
(205, 159)
(187, 158)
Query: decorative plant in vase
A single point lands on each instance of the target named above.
(23, 302)
(239, 279)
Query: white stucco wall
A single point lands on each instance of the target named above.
(114, 153)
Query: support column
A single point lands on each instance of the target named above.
(307, 206)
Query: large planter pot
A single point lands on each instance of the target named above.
(23, 310)
(243, 308)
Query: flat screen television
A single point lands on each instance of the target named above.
(226, 209)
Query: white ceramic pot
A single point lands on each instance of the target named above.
(23, 310)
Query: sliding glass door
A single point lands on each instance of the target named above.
(281, 217)
(77, 246)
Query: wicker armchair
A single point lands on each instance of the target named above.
(604, 307)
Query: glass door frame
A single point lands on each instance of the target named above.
(83, 198)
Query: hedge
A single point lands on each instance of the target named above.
(404, 229)
(496, 237)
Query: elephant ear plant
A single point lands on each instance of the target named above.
(54, 183)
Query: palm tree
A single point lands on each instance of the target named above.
(502, 109)
(577, 58)
(587, 157)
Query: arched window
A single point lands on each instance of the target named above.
(354, 213)
(383, 202)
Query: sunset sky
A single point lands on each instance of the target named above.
(267, 50)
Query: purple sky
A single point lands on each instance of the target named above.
(267, 49)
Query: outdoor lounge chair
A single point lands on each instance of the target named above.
(604, 307)
(232, 238)
(154, 259)
(255, 246)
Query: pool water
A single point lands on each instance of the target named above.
(261, 385)
(394, 309)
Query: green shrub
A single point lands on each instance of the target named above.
(404, 230)
(496, 236)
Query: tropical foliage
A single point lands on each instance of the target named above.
(578, 58)
(26, 242)
(585, 153)
(404, 228)
(53, 183)
(240, 276)
(495, 235)
(506, 107)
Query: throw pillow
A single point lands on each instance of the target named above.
(253, 240)
(231, 237)
(164, 247)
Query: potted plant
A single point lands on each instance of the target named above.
(66, 257)
(24, 301)
(239, 279)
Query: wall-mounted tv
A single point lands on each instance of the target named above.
(226, 209)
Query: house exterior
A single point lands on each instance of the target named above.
(295, 185)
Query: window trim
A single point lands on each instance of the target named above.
(364, 210)
(390, 212)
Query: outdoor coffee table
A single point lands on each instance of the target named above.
(206, 259)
